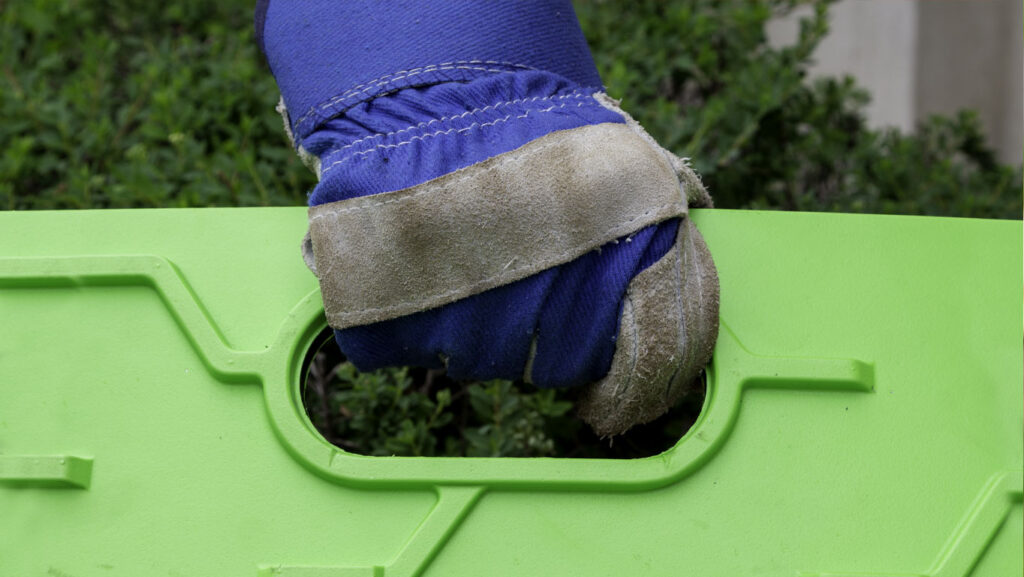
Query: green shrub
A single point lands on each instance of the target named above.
(701, 77)
(138, 104)
(387, 413)
(417, 412)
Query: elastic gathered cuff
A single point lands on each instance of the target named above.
(415, 135)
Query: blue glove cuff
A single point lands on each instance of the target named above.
(329, 56)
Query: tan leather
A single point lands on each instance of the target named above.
(696, 195)
(667, 332)
(388, 255)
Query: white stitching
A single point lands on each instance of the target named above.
(330, 166)
(440, 132)
(497, 165)
(341, 97)
(434, 66)
(455, 117)
(614, 230)
(407, 74)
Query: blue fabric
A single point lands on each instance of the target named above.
(361, 49)
(418, 134)
(573, 311)
(392, 94)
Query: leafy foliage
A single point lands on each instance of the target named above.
(416, 412)
(135, 104)
(124, 103)
(700, 75)
(385, 413)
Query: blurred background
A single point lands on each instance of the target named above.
(922, 57)
(896, 106)
(872, 106)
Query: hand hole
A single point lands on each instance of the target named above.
(410, 411)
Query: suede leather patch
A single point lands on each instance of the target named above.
(544, 204)
(696, 195)
(667, 333)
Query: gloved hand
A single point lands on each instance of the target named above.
(482, 206)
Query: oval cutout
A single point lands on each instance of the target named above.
(420, 412)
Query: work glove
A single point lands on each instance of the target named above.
(484, 207)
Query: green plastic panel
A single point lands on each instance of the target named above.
(863, 417)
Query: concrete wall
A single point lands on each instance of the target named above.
(921, 57)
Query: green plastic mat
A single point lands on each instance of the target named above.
(863, 417)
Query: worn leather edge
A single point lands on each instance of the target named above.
(696, 195)
(667, 332)
(311, 162)
(544, 204)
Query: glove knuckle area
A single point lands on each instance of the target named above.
(667, 333)
(388, 255)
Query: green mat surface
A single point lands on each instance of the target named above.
(863, 417)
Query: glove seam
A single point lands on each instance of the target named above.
(321, 213)
(475, 125)
(414, 71)
(401, 80)
(421, 125)
(617, 230)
